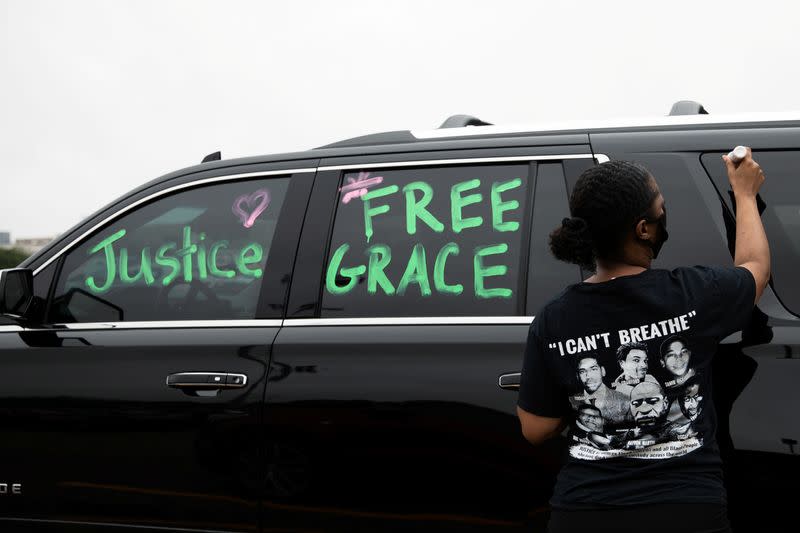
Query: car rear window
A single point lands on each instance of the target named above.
(780, 213)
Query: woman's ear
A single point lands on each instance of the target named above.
(641, 229)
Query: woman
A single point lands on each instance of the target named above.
(646, 476)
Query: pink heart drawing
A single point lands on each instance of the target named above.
(259, 199)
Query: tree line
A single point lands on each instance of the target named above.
(11, 257)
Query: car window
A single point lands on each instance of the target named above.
(694, 213)
(779, 206)
(200, 253)
(547, 276)
(427, 241)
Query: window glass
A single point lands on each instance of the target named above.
(437, 241)
(547, 276)
(197, 254)
(695, 236)
(779, 205)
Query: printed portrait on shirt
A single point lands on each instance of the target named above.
(690, 402)
(590, 428)
(633, 361)
(648, 404)
(675, 358)
(613, 405)
(635, 392)
(649, 407)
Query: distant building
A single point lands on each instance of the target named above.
(26, 245)
(32, 245)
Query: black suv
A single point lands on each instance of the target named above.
(331, 340)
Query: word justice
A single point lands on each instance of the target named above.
(179, 259)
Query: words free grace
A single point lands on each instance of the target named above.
(416, 269)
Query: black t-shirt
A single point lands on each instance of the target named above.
(628, 363)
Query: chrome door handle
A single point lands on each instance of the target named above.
(206, 380)
(509, 381)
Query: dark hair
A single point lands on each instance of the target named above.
(608, 199)
(625, 349)
(691, 382)
(590, 355)
(669, 340)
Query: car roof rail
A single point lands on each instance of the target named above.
(387, 137)
(404, 136)
(687, 107)
(216, 156)
(460, 121)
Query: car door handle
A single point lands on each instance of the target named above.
(509, 381)
(206, 380)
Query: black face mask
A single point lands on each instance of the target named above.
(662, 234)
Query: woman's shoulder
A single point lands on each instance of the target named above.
(555, 303)
(703, 279)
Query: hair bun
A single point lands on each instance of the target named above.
(574, 223)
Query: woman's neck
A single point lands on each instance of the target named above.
(606, 272)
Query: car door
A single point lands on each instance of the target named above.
(383, 408)
(136, 399)
(753, 369)
(763, 438)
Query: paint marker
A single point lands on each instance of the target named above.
(737, 154)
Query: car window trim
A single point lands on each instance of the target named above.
(409, 321)
(154, 324)
(461, 161)
(162, 192)
(282, 322)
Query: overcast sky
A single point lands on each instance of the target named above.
(99, 97)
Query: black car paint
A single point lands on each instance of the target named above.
(353, 428)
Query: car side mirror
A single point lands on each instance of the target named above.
(16, 291)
